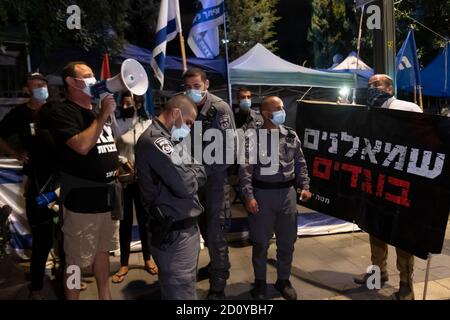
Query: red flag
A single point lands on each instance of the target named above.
(105, 74)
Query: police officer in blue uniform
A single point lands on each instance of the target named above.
(247, 114)
(214, 113)
(169, 194)
(271, 197)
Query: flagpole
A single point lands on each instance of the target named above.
(183, 52)
(358, 48)
(420, 97)
(182, 46)
(415, 94)
(230, 101)
(358, 43)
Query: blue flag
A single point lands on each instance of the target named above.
(169, 24)
(149, 106)
(408, 73)
(204, 35)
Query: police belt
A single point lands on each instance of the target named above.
(183, 224)
(273, 185)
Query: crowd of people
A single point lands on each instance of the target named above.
(111, 163)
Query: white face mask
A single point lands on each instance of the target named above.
(88, 83)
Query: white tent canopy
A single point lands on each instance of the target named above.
(259, 66)
(352, 63)
(356, 67)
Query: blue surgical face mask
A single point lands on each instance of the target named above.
(245, 104)
(40, 94)
(278, 117)
(180, 133)
(195, 95)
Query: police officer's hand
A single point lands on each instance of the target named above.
(252, 206)
(305, 195)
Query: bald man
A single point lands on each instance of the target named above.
(271, 199)
(381, 94)
(169, 195)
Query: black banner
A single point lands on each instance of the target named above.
(387, 170)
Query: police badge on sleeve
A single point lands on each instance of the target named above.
(224, 122)
(164, 145)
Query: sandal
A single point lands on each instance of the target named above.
(118, 277)
(152, 268)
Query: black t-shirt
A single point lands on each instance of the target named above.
(19, 123)
(22, 123)
(66, 120)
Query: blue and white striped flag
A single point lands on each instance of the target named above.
(169, 24)
(204, 35)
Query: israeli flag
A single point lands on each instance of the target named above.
(169, 24)
(204, 35)
(408, 73)
(11, 194)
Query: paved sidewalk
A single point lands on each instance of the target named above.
(323, 268)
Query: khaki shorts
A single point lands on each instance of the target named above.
(86, 234)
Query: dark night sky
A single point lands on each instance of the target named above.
(291, 28)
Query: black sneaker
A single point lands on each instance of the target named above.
(259, 290)
(203, 273)
(287, 291)
(215, 295)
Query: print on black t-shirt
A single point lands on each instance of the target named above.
(105, 142)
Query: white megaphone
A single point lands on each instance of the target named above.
(132, 77)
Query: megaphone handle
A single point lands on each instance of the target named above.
(102, 96)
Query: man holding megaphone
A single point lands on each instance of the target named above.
(88, 164)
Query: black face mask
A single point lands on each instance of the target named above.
(376, 97)
(128, 112)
